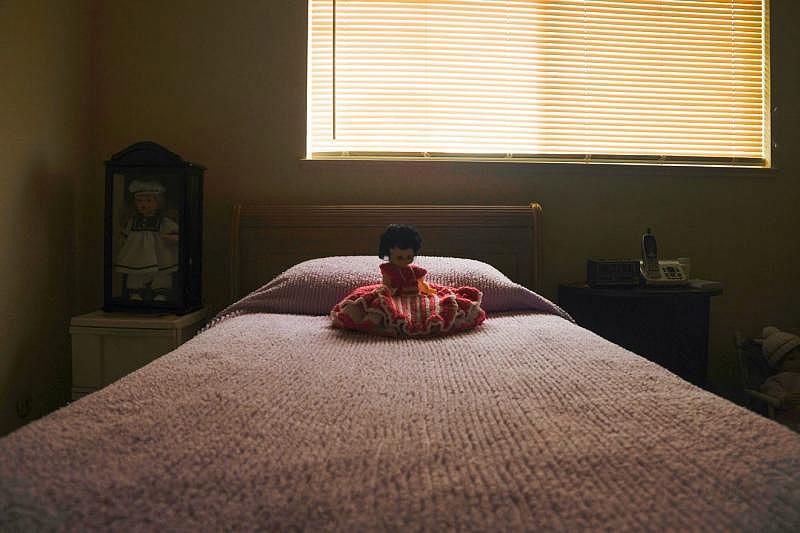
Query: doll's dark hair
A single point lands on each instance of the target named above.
(399, 236)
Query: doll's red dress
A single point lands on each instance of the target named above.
(410, 307)
(404, 280)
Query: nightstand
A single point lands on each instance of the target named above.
(107, 346)
(667, 325)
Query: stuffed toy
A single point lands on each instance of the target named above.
(782, 352)
(404, 304)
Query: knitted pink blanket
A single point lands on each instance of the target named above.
(280, 422)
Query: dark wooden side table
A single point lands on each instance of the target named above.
(668, 326)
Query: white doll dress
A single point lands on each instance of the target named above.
(146, 251)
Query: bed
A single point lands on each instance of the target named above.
(271, 419)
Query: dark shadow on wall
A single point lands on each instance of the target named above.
(38, 297)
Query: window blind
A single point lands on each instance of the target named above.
(663, 81)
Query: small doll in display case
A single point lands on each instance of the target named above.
(405, 304)
(148, 256)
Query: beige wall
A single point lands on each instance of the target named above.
(43, 153)
(223, 84)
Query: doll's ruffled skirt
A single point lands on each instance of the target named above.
(374, 309)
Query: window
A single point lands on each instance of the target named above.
(660, 81)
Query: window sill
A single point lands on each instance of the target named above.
(555, 169)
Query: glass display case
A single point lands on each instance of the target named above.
(153, 231)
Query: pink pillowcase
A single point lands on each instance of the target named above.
(313, 287)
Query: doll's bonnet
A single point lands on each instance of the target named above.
(145, 187)
(777, 344)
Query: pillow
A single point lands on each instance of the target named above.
(313, 287)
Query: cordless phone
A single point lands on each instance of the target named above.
(650, 256)
(655, 272)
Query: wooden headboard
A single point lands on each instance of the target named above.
(268, 239)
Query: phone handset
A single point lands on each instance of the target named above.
(650, 267)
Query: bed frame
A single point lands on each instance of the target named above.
(268, 239)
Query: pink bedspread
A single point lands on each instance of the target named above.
(282, 422)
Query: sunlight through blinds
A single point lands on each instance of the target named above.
(663, 81)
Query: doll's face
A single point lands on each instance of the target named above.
(146, 204)
(401, 256)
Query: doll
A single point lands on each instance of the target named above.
(149, 253)
(404, 304)
(781, 349)
(401, 243)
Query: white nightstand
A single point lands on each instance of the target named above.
(107, 346)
